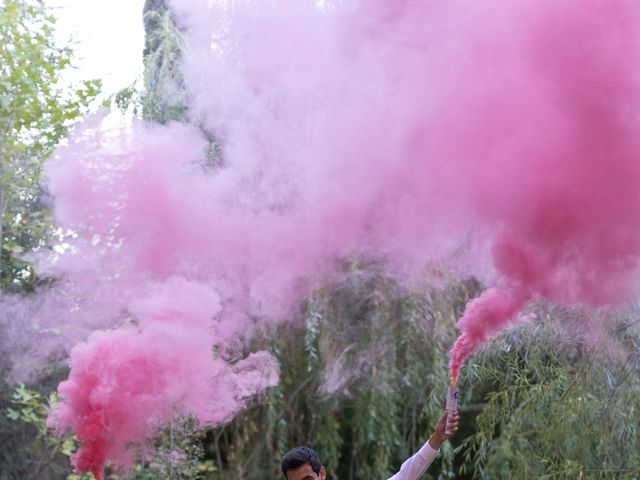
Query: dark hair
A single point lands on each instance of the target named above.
(299, 456)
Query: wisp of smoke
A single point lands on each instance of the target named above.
(381, 128)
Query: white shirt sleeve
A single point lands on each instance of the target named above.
(414, 467)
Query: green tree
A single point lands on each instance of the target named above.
(36, 107)
(556, 406)
(536, 402)
(164, 96)
(363, 380)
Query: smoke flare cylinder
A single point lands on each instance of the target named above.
(452, 407)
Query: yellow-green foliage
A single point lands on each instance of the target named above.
(557, 406)
(35, 111)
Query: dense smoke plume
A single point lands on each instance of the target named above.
(389, 129)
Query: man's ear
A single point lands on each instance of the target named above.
(323, 473)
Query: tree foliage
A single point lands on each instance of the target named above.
(537, 402)
(36, 108)
(557, 407)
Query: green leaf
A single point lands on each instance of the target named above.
(12, 414)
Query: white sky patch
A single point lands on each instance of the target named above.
(108, 38)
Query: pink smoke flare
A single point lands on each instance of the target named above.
(376, 128)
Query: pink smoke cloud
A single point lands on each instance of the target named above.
(125, 383)
(385, 129)
(563, 196)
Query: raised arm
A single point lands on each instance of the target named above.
(414, 467)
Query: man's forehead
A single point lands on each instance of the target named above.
(304, 472)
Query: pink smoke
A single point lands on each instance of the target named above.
(565, 203)
(137, 246)
(125, 383)
(376, 128)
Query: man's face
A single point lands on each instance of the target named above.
(305, 472)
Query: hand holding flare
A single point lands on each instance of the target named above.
(441, 433)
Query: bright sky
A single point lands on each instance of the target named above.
(109, 39)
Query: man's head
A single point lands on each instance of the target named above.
(303, 463)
